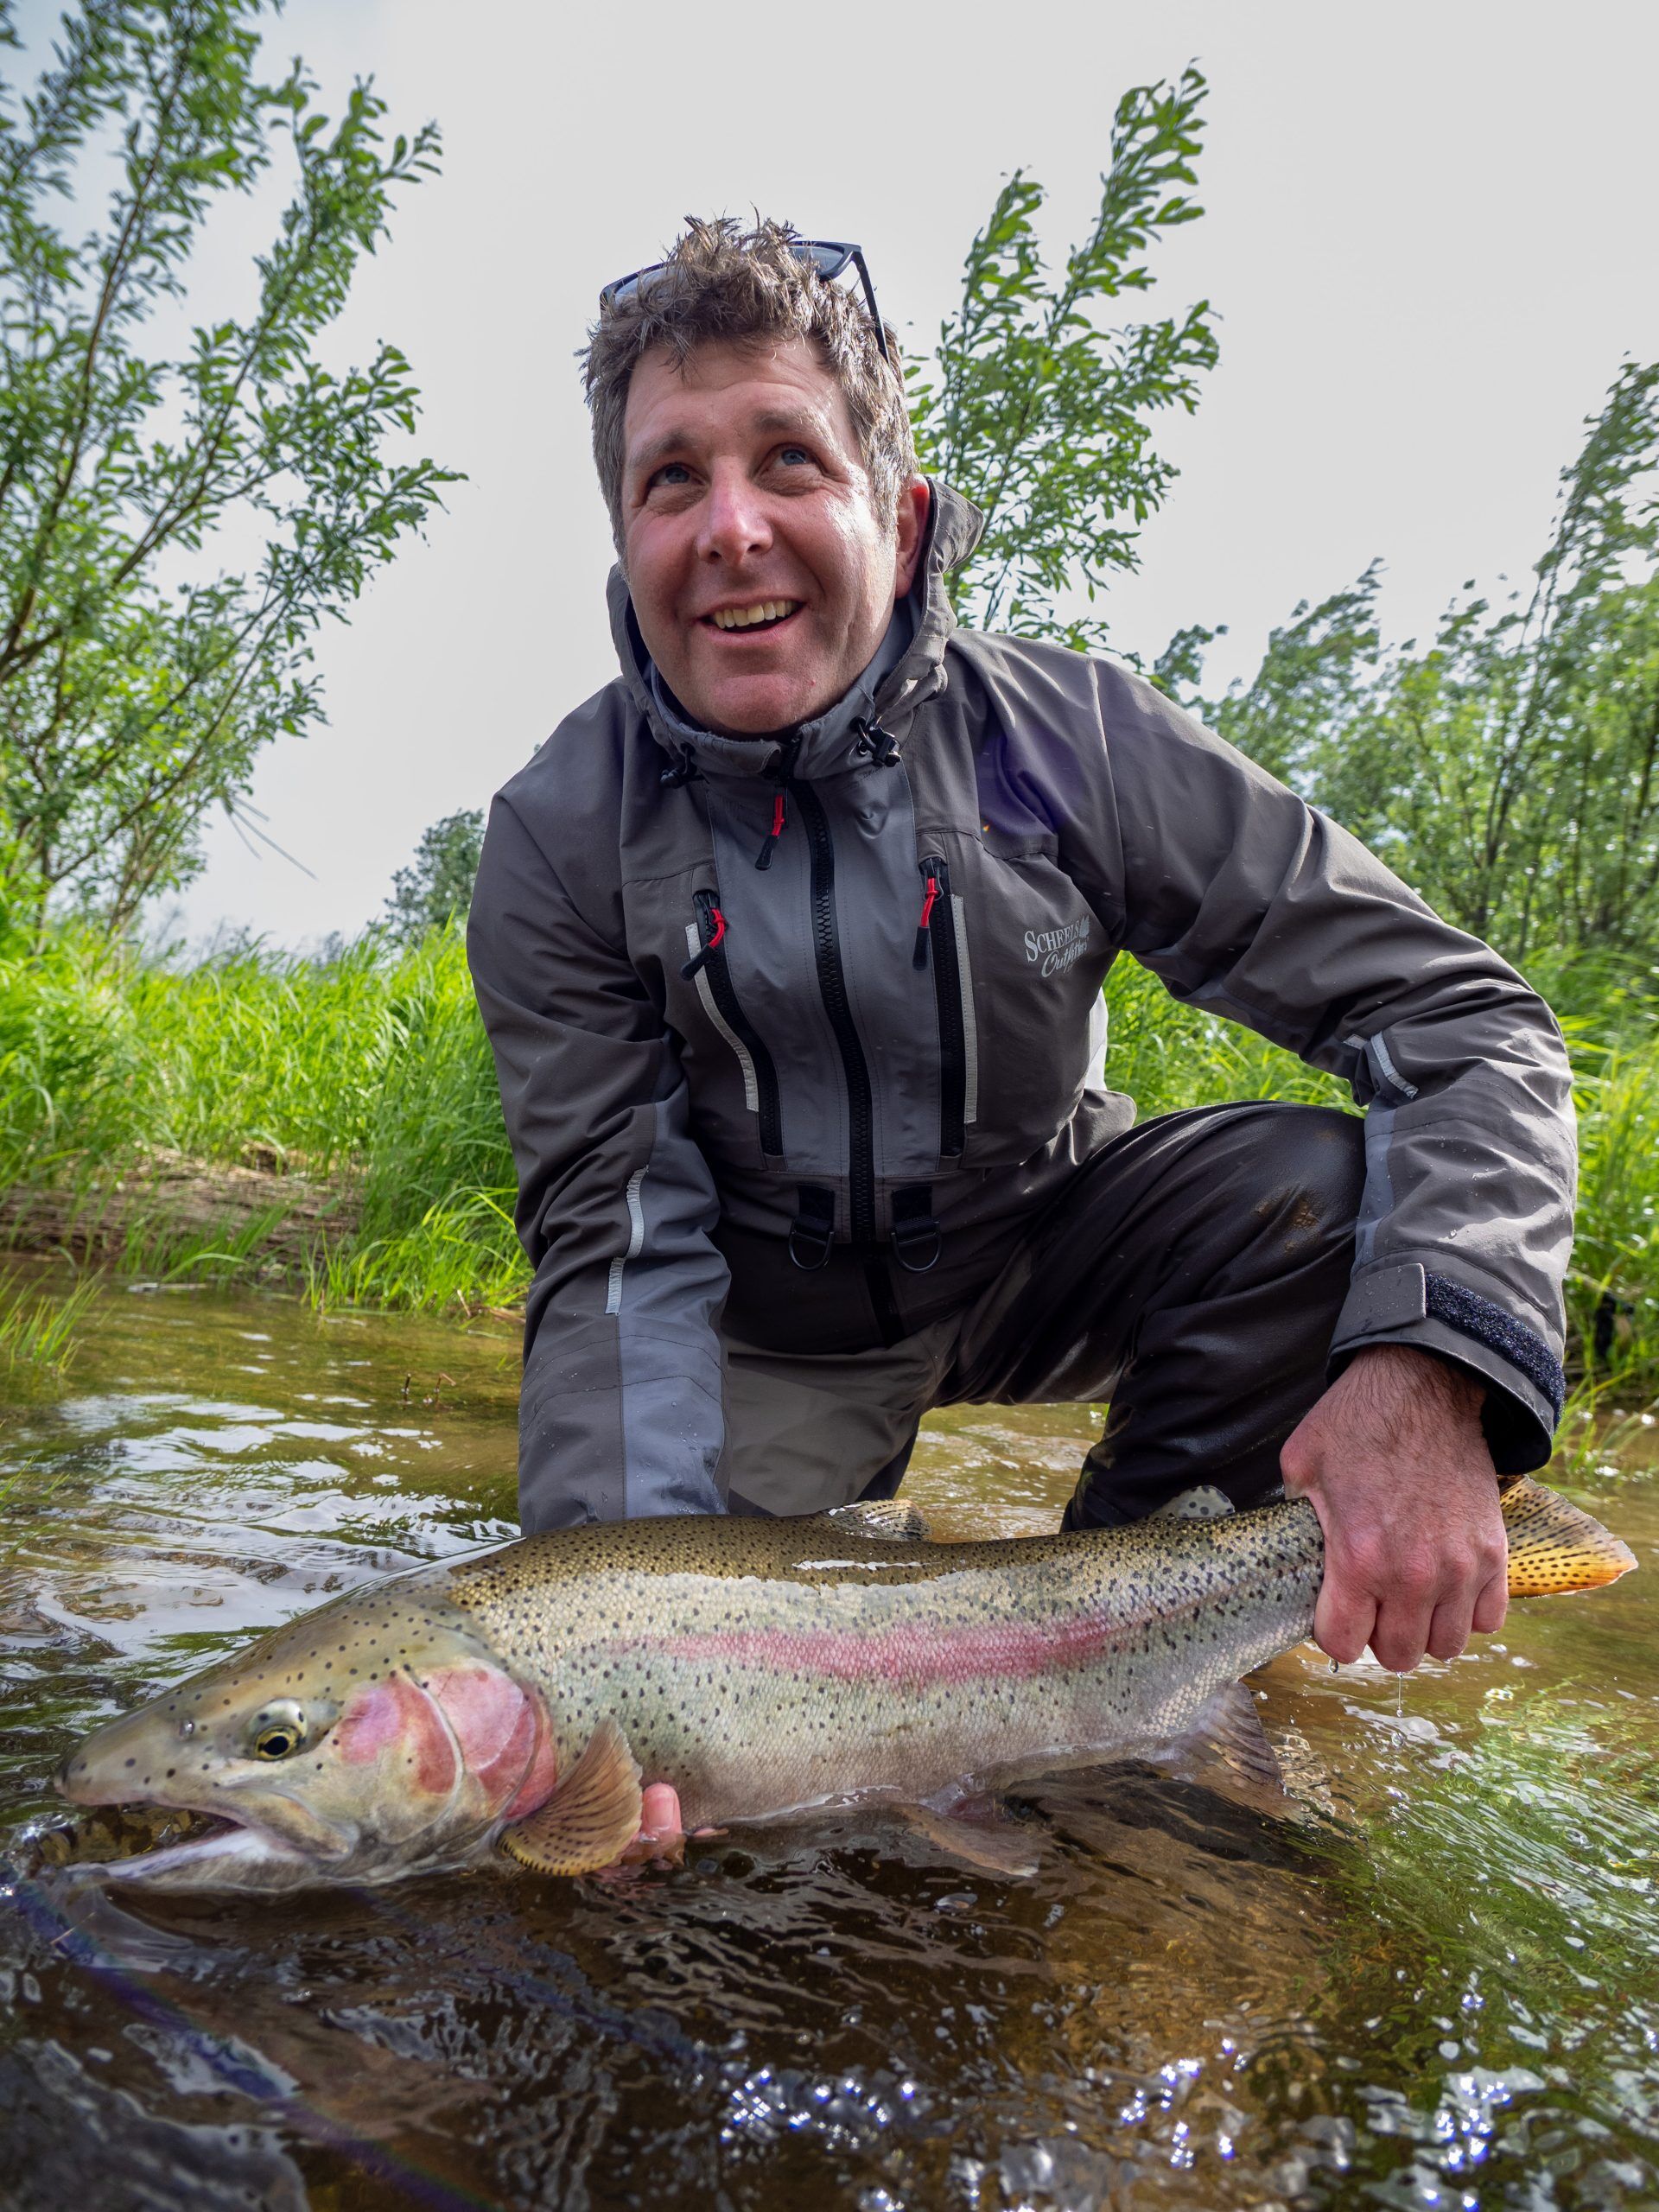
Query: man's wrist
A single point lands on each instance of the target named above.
(1386, 1369)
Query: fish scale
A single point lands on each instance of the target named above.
(793, 1675)
(762, 1667)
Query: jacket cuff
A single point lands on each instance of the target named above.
(1402, 1302)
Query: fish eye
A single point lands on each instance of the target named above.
(279, 1730)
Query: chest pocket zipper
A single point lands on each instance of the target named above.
(705, 941)
(952, 990)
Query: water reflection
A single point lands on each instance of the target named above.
(1437, 1988)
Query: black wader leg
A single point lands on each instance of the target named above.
(1191, 1272)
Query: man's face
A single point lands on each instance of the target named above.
(762, 579)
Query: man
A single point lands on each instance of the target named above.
(791, 943)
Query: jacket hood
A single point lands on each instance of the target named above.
(827, 744)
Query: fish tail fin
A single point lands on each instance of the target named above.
(1556, 1545)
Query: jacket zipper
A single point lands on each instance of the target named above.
(832, 985)
(711, 963)
(939, 929)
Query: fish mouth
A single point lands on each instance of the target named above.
(275, 1845)
(224, 1854)
(219, 1853)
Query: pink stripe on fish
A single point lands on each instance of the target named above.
(910, 1658)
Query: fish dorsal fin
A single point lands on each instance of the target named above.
(887, 1520)
(591, 1818)
(1555, 1546)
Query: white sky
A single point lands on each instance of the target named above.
(1430, 233)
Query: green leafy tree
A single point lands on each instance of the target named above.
(1040, 408)
(147, 652)
(1510, 770)
(437, 884)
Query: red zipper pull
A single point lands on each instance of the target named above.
(919, 958)
(763, 858)
(700, 960)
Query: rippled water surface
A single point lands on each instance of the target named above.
(1439, 1987)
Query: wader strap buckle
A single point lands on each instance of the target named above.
(915, 1233)
(812, 1232)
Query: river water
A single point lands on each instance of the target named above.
(1437, 1986)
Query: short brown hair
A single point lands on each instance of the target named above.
(723, 286)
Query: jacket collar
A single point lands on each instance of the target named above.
(829, 744)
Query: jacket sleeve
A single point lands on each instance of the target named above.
(620, 1412)
(1246, 902)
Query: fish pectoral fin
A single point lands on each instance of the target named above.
(1227, 1733)
(592, 1816)
(1555, 1546)
(887, 1520)
(1004, 1849)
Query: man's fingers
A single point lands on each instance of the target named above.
(1493, 1602)
(659, 1811)
(1449, 1631)
(1342, 1618)
(1400, 1636)
(661, 1831)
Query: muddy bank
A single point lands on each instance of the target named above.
(163, 1210)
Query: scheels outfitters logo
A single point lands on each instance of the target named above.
(1057, 948)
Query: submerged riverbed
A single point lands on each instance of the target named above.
(1438, 1987)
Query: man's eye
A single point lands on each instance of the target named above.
(675, 472)
(795, 455)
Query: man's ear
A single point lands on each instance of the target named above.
(915, 505)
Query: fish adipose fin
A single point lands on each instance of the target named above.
(591, 1818)
(1554, 1546)
(1004, 1850)
(888, 1520)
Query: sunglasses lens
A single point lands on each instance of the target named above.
(624, 287)
(826, 256)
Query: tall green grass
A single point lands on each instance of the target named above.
(38, 1334)
(370, 1071)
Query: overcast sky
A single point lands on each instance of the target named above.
(1430, 234)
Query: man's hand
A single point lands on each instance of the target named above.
(1393, 1462)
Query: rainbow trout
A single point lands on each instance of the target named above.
(520, 1697)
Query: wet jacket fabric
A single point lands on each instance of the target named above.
(796, 1035)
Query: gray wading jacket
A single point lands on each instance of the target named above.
(886, 1058)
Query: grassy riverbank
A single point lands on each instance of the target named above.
(336, 1123)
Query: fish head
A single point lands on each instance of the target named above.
(377, 1738)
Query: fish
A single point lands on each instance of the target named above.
(520, 1698)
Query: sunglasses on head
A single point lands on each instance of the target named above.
(829, 256)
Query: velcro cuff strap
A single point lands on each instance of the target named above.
(1478, 1319)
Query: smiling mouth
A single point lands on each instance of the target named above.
(763, 614)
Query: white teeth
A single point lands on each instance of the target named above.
(743, 618)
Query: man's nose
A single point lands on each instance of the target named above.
(733, 521)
